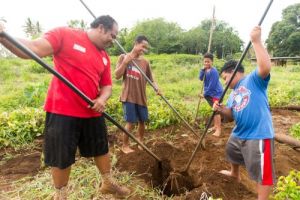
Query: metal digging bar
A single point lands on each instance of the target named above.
(74, 88)
(199, 101)
(145, 76)
(226, 88)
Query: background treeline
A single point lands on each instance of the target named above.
(169, 37)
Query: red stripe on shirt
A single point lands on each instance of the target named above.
(267, 178)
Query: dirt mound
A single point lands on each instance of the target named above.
(19, 167)
(200, 178)
(203, 172)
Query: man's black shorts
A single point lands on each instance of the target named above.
(63, 134)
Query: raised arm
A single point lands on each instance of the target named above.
(262, 56)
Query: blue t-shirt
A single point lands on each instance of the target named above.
(212, 85)
(250, 108)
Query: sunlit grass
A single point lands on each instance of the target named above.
(84, 183)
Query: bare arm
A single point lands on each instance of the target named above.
(105, 92)
(223, 110)
(158, 91)
(39, 46)
(100, 102)
(122, 63)
(262, 56)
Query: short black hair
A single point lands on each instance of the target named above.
(141, 38)
(229, 66)
(209, 55)
(106, 20)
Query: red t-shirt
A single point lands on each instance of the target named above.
(78, 60)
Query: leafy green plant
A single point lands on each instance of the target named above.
(35, 95)
(36, 68)
(20, 127)
(295, 130)
(288, 188)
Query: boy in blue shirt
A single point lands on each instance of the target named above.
(252, 140)
(212, 87)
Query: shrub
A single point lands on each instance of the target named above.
(288, 187)
(295, 130)
(20, 127)
(34, 95)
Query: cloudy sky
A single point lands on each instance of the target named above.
(242, 15)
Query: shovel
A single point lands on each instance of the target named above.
(184, 174)
(35, 57)
(148, 80)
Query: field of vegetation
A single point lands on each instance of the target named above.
(23, 86)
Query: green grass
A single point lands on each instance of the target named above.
(295, 130)
(84, 183)
(23, 84)
(284, 89)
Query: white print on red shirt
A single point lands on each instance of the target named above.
(105, 61)
(79, 48)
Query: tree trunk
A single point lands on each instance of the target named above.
(286, 139)
(297, 108)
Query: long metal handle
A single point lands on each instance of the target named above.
(200, 97)
(148, 80)
(35, 57)
(226, 88)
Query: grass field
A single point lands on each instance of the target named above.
(23, 86)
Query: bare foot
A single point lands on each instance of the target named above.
(127, 149)
(229, 173)
(217, 133)
(211, 129)
(141, 141)
(140, 148)
(203, 144)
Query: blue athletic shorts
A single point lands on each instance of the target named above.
(135, 113)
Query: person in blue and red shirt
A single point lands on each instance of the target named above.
(212, 87)
(252, 140)
(79, 56)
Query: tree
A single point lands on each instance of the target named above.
(164, 37)
(194, 41)
(80, 24)
(284, 37)
(168, 37)
(32, 30)
(115, 50)
(225, 40)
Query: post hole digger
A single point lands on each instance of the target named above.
(148, 80)
(35, 57)
(179, 176)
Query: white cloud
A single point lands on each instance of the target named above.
(242, 15)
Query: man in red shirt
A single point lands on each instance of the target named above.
(70, 123)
